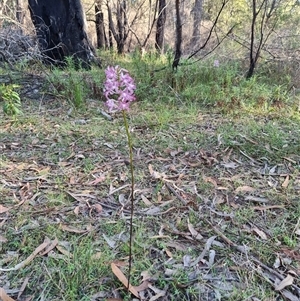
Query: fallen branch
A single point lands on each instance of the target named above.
(244, 250)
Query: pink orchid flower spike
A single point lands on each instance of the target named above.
(119, 89)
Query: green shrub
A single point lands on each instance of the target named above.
(11, 99)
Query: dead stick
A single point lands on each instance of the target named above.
(241, 250)
(176, 194)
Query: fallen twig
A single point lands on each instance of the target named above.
(244, 250)
(176, 194)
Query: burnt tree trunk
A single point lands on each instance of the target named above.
(61, 31)
(121, 25)
(101, 39)
(178, 40)
(160, 26)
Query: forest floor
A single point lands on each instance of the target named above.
(216, 216)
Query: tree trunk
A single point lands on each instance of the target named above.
(20, 11)
(100, 25)
(61, 31)
(120, 34)
(2, 10)
(122, 26)
(111, 30)
(178, 41)
(197, 13)
(160, 26)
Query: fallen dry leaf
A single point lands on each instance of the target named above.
(64, 251)
(294, 254)
(96, 256)
(277, 263)
(222, 188)
(206, 249)
(145, 276)
(155, 174)
(98, 208)
(260, 233)
(72, 229)
(262, 208)
(113, 190)
(28, 259)
(232, 165)
(3, 209)
(50, 247)
(244, 189)
(97, 180)
(159, 293)
(112, 242)
(2, 239)
(146, 201)
(29, 298)
(289, 296)
(76, 210)
(186, 260)
(119, 274)
(176, 246)
(285, 184)
(100, 296)
(290, 160)
(4, 296)
(25, 282)
(194, 233)
(52, 254)
(142, 286)
(160, 236)
(248, 139)
(211, 258)
(120, 263)
(169, 253)
(287, 281)
(256, 199)
(72, 180)
(210, 180)
(256, 299)
(152, 211)
(3, 222)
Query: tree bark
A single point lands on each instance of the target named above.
(178, 41)
(121, 30)
(61, 31)
(255, 51)
(197, 14)
(20, 11)
(111, 28)
(160, 26)
(100, 31)
(2, 10)
(121, 25)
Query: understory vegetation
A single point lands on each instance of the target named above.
(217, 171)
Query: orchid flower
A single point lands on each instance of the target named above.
(119, 88)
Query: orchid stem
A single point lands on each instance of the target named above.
(131, 197)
